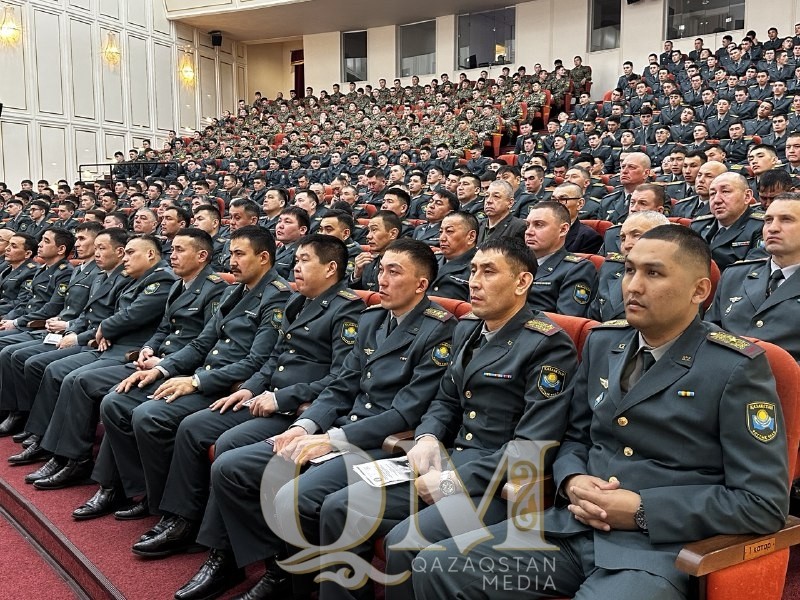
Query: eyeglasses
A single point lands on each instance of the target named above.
(566, 199)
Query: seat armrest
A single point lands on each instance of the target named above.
(399, 442)
(36, 324)
(303, 408)
(514, 491)
(132, 356)
(721, 551)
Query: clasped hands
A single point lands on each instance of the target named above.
(601, 504)
(172, 389)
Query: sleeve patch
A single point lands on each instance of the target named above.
(582, 293)
(214, 307)
(62, 289)
(437, 313)
(542, 327)
(551, 381)
(441, 354)
(152, 288)
(761, 421)
(742, 346)
(349, 332)
(277, 317)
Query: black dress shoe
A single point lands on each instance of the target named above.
(20, 437)
(216, 575)
(32, 454)
(140, 510)
(51, 467)
(178, 536)
(74, 472)
(275, 583)
(13, 423)
(156, 529)
(104, 501)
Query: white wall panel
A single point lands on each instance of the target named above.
(114, 142)
(164, 77)
(208, 88)
(85, 145)
(137, 12)
(15, 153)
(241, 84)
(84, 4)
(160, 21)
(110, 8)
(140, 80)
(47, 36)
(53, 146)
(83, 47)
(188, 108)
(226, 85)
(12, 68)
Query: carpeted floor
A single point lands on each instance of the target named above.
(24, 574)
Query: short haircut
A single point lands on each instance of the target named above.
(559, 210)
(376, 173)
(62, 237)
(470, 220)
(448, 197)
(476, 181)
(775, 179)
(400, 193)
(119, 237)
(770, 149)
(508, 169)
(652, 217)
(281, 192)
(150, 240)
(260, 239)
(389, 220)
(213, 210)
(519, 256)
(31, 243)
(689, 245)
(420, 253)
(251, 209)
(657, 190)
(787, 196)
(697, 154)
(183, 214)
(329, 249)
(311, 194)
(344, 217)
(90, 227)
(200, 239)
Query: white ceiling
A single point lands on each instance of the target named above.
(319, 16)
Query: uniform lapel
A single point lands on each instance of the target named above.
(789, 289)
(403, 334)
(500, 345)
(755, 285)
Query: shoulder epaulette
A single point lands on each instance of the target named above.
(348, 295)
(615, 324)
(615, 257)
(279, 285)
(573, 258)
(687, 199)
(752, 261)
(704, 218)
(373, 307)
(672, 182)
(742, 346)
(470, 316)
(437, 313)
(757, 215)
(62, 266)
(32, 265)
(542, 326)
(214, 278)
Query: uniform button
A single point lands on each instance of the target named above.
(759, 323)
(472, 414)
(275, 390)
(291, 351)
(177, 332)
(436, 289)
(354, 417)
(468, 437)
(368, 405)
(622, 421)
(281, 368)
(468, 394)
(306, 328)
(288, 336)
(166, 343)
(208, 367)
(228, 340)
(90, 310)
(369, 375)
(173, 320)
(627, 451)
(215, 352)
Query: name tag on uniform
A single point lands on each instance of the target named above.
(542, 283)
(737, 244)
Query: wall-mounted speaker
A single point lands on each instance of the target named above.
(216, 38)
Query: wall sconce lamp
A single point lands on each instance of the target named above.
(186, 68)
(10, 29)
(111, 52)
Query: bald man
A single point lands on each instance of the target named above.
(634, 170)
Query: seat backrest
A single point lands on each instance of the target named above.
(577, 328)
(459, 308)
(369, 298)
(228, 277)
(596, 259)
(715, 275)
(680, 221)
(599, 226)
(511, 159)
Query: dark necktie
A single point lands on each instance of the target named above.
(478, 343)
(774, 281)
(648, 360)
(391, 327)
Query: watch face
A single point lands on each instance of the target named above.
(447, 487)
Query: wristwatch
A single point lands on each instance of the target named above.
(446, 484)
(640, 518)
(195, 382)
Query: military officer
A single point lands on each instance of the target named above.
(626, 465)
(192, 302)
(384, 386)
(340, 224)
(757, 297)
(733, 229)
(319, 330)
(634, 170)
(442, 204)
(231, 347)
(502, 335)
(457, 243)
(293, 223)
(607, 304)
(646, 197)
(38, 210)
(137, 312)
(563, 283)
(383, 229)
(66, 219)
(19, 220)
(20, 270)
(74, 299)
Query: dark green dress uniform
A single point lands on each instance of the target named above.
(221, 259)
(676, 433)
(284, 261)
(369, 276)
(428, 233)
(608, 303)
(528, 363)
(740, 241)
(452, 280)
(231, 347)
(384, 386)
(68, 224)
(46, 296)
(564, 284)
(14, 280)
(742, 306)
(353, 250)
(316, 336)
(137, 313)
(614, 206)
(185, 314)
(474, 207)
(690, 208)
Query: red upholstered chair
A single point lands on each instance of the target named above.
(371, 209)
(228, 277)
(680, 220)
(599, 226)
(596, 259)
(459, 308)
(369, 298)
(511, 159)
(715, 275)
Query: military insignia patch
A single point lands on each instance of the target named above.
(542, 327)
(573, 259)
(348, 294)
(28, 283)
(349, 332)
(62, 289)
(614, 324)
(280, 285)
(152, 288)
(551, 381)
(723, 338)
(437, 313)
(582, 293)
(214, 278)
(441, 355)
(615, 257)
(761, 422)
(214, 307)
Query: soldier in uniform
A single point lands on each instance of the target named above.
(382, 230)
(627, 464)
(646, 197)
(457, 242)
(19, 221)
(38, 210)
(581, 75)
(563, 283)
(733, 229)
(73, 301)
(192, 302)
(340, 224)
(607, 304)
(464, 408)
(635, 169)
(66, 220)
(19, 271)
(231, 348)
(318, 331)
(136, 315)
(757, 297)
(468, 193)
(385, 385)
(293, 223)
